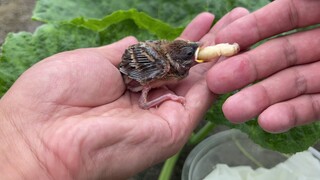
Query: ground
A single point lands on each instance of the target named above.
(15, 16)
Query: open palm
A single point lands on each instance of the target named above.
(75, 116)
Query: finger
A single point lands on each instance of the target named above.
(265, 60)
(295, 112)
(184, 119)
(113, 52)
(233, 15)
(274, 18)
(198, 27)
(287, 84)
(230, 17)
(194, 88)
(200, 70)
(198, 100)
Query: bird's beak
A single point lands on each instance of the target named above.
(196, 56)
(199, 43)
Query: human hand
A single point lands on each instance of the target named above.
(287, 68)
(70, 117)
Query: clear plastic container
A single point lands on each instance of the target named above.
(231, 147)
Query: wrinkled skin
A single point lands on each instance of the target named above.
(287, 67)
(69, 116)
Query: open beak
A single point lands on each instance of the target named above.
(199, 44)
(196, 56)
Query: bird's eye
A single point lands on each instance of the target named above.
(188, 51)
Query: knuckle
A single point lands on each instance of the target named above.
(289, 52)
(248, 60)
(238, 12)
(300, 82)
(315, 106)
(258, 30)
(293, 15)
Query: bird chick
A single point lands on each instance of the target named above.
(153, 64)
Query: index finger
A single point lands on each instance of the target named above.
(198, 27)
(276, 17)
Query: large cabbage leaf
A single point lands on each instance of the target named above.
(21, 50)
(177, 13)
(294, 140)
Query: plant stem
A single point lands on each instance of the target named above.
(201, 134)
(168, 166)
(195, 138)
(246, 153)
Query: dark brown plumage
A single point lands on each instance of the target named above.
(154, 64)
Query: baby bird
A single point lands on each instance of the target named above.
(153, 64)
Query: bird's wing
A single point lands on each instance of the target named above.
(143, 63)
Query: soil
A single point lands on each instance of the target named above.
(15, 16)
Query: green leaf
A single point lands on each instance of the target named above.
(177, 13)
(295, 140)
(123, 29)
(21, 50)
(140, 19)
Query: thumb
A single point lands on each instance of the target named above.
(113, 52)
(85, 77)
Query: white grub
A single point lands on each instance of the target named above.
(210, 53)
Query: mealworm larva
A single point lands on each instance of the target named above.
(210, 53)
